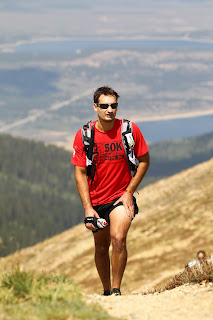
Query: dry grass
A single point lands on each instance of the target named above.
(189, 275)
(29, 296)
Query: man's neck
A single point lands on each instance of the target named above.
(104, 126)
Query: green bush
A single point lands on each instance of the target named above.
(26, 295)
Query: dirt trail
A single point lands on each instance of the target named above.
(186, 302)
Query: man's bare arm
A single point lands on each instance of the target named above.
(83, 190)
(126, 198)
(143, 166)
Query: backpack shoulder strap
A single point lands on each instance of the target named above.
(126, 126)
(88, 133)
(88, 141)
(129, 143)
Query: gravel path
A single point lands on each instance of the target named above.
(185, 302)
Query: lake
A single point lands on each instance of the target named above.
(155, 131)
(71, 46)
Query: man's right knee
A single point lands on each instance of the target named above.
(102, 249)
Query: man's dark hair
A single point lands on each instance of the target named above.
(203, 252)
(107, 91)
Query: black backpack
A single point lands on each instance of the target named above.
(88, 132)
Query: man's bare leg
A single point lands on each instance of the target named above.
(119, 226)
(102, 261)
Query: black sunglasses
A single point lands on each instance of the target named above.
(106, 105)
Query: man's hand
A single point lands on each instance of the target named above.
(83, 189)
(91, 213)
(127, 200)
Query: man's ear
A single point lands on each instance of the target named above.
(95, 107)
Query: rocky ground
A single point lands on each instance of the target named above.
(185, 302)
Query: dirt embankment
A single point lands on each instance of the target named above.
(186, 302)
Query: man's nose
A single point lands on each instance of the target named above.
(109, 109)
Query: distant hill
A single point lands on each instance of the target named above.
(53, 89)
(38, 197)
(175, 220)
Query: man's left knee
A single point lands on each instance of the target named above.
(119, 242)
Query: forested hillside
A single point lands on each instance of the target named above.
(38, 197)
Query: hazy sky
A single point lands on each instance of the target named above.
(40, 5)
(81, 19)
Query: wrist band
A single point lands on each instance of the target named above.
(130, 192)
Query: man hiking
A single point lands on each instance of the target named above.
(102, 157)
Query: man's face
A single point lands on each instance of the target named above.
(201, 257)
(106, 114)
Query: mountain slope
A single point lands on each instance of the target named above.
(175, 220)
(38, 195)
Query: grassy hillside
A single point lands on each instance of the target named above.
(38, 197)
(175, 220)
